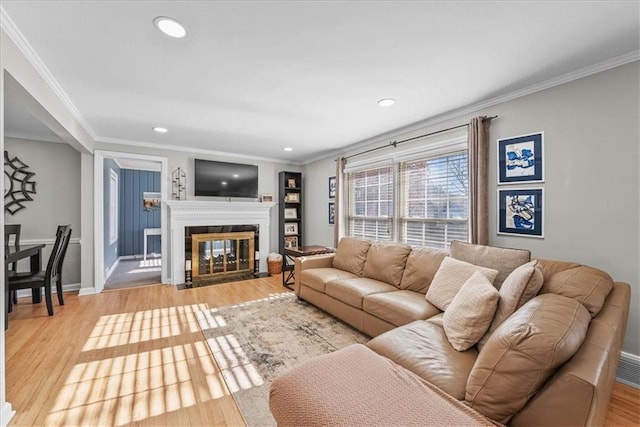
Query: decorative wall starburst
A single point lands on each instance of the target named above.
(18, 184)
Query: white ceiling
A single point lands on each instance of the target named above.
(253, 77)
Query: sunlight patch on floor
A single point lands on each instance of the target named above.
(148, 266)
(119, 386)
(236, 367)
(130, 328)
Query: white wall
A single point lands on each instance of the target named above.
(592, 152)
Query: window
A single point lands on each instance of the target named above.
(434, 205)
(422, 199)
(370, 203)
(113, 207)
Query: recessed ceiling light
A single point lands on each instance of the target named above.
(170, 27)
(386, 102)
(235, 175)
(160, 130)
(288, 149)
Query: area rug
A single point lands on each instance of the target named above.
(254, 342)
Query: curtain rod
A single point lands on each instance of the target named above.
(394, 144)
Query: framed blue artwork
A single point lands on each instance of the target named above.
(332, 213)
(521, 211)
(520, 159)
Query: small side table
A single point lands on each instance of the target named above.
(289, 260)
(149, 232)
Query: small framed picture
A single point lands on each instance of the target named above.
(266, 198)
(290, 228)
(291, 242)
(290, 213)
(520, 212)
(332, 213)
(291, 182)
(332, 187)
(292, 198)
(520, 159)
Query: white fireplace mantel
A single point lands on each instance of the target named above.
(193, 213)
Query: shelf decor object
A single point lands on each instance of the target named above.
(520, 159)
(19, 184)
(179, 184)
(291, 213)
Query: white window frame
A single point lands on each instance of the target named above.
(432, 150)
(386, 221)
(113, 206)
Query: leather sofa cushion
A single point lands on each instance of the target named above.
(351, 255)
(450, 277)
(317, 278)
(587, 285)
(520, 286)
(502, 259)
(422, 347)
(353, 291)
(523, 353)
(421, 266)
(386, 262)
(470, 313)
(399, 307)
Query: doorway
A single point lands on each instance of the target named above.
(130, 231)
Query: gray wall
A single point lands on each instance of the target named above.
(110, 249)
(57, 199)
(591, 151)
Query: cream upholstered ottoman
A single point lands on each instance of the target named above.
(356, 387)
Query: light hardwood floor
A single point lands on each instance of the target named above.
(136, 356)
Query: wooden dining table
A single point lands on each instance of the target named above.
(16, 253)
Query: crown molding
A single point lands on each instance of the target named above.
(156, 146)
(31, 137)
(7, 24)
(472, 108)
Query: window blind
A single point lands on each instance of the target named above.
(434, 200)
(370, 203)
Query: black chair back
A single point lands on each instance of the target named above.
(54, 266)
(9, 231)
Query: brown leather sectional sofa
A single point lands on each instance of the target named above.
(549, 356)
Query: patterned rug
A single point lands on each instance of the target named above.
(254, 342)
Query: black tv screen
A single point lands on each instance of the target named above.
(213, 178)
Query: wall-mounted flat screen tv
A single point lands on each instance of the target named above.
(221, 179)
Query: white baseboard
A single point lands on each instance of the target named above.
(629, 370)
(87, 291)
(71, 287)
(6, 413)
(111, 269)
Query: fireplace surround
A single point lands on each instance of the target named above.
(195, 213)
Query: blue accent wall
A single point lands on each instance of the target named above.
(133, 218)
(110, 250)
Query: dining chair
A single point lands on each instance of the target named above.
(52, 275)
(12, 230)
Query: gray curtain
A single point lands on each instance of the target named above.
(478, 180)
(337, 227)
